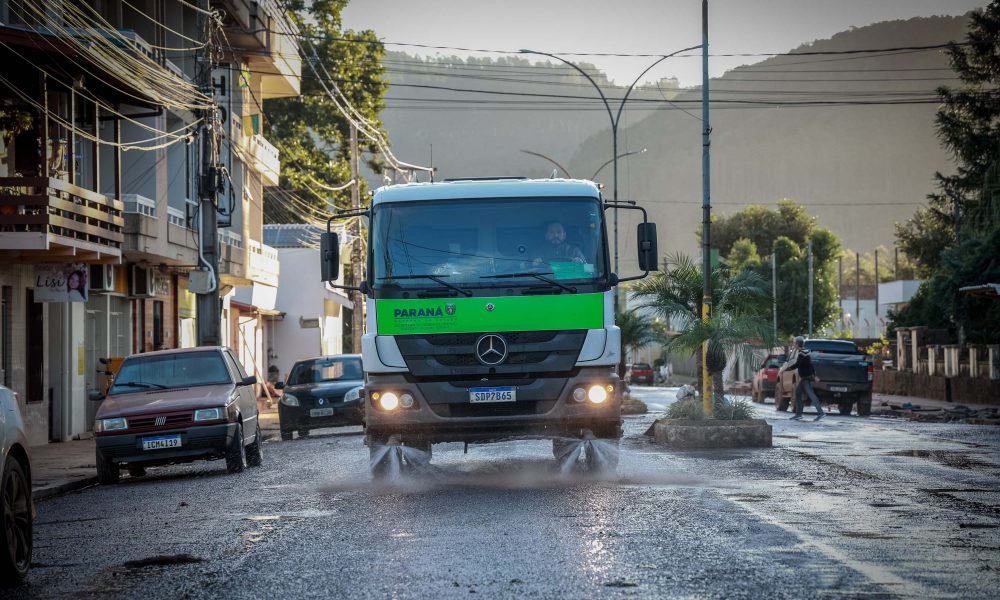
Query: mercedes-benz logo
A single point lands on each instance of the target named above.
(491, 349)
(321, 401)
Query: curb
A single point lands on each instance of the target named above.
(51, 491)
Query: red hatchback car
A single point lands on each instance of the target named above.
(641, 373)
(765, 378)
(177, 406)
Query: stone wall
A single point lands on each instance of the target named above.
(937, 387)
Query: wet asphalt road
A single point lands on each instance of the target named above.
(847, 507)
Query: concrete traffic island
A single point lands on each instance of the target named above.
(711, 433)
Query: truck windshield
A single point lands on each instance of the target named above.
(489, 242)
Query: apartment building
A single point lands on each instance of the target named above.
(101, 143)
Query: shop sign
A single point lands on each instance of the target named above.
(62, 283)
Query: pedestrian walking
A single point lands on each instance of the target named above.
(802, 362)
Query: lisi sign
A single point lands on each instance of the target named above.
(62, 283)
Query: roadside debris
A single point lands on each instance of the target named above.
(955, 414)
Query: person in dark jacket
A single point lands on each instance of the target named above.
(803, 364)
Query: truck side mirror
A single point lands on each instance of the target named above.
(646, 236)
(329, 256)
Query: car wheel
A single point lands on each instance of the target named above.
(255, 453)
(845, 408)
(286, 435)
(108, 472)
(780, 402)
(236, 454)
(136, 470)
(602, 456)
(15, 524)
(865, 405)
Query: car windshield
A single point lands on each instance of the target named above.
(167, 371)
(479, 244)
(326, 369)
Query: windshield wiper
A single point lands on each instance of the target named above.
(141, 384)
(436, 278)
(539, 276)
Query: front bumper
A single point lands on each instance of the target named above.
(204, 441)
(544, 409)
(300, 417)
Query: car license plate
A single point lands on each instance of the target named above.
(321, 412)
(838, 388)
(494, 394)
(160, 443)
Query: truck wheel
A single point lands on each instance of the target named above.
(865, 405)
(380, 459)
(602, 456)
(844, 408)
(107, 471)
(420, 457)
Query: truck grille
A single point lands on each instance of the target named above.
(453, 354)
(501, 409)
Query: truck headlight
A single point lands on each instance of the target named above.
(209, 414)
(353, 394)
(597, 394)
(116, 424)
(289, 400)
(388, 401)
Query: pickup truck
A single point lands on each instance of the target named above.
(843, 377)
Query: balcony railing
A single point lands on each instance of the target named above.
(39, 212)
(267, 159)
(264, 265)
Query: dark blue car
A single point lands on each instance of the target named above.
(321, 392)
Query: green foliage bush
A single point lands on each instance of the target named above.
(726, 409)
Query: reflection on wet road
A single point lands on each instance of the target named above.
(846, 507)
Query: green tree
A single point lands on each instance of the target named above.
(637, 330)
(968, 125)
(785, 230)
(311, 130)
(740, 316)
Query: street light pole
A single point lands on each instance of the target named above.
(708, 400)
(540, 155)
(608, 162)
(615, 120)
(566, 171)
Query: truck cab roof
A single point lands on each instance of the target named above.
(486, 188)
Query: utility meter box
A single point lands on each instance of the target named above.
(199, 281)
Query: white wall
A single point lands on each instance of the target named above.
(301, 297)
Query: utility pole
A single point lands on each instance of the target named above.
(707, 399)
(876, 284)
(774, 292)
(209, 308)
(357, 298)
(857, 288)
(809, 251)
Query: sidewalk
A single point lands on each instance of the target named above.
(61, 467)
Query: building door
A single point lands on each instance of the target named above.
(35, 363)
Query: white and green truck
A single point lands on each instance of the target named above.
(484, 321)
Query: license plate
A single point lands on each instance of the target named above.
(160, 443)
(321, 412)
(838, 388)
(494, 394)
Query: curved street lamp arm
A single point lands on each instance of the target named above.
(581, 72)
(631, 87)
(540, 155)
(610, 160)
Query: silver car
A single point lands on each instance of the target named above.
(16, 507)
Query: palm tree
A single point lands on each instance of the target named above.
(637, 330)
(739, 316)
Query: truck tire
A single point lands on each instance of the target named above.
(602, 457)
(845, 408)
(865, 404)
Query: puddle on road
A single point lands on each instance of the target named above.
(163, 560)
(950, 458)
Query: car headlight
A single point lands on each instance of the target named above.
(116, 424)
(353, 394)
(289, 400)
(209, 414)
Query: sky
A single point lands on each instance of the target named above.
(654, 27)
